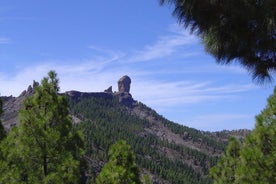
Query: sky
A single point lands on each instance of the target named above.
(92, 43)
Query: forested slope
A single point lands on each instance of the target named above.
(171, 153)
(166, 151)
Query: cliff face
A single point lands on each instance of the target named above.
(12, 105)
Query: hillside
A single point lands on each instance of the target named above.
(168, 152)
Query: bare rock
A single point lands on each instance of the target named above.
(11, 106)
(30, 90)
(125, 98)
(124, 84)
(108, 90)
(123, 93)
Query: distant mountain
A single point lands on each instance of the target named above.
(168, 152)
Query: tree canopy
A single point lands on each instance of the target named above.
(254, 161)
(2, 130)
(43, 148)
(242, 31)
(257, 156)
(224, 171)
(121, 167)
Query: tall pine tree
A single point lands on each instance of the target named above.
(255, 162)
(121, 168)
(44, 148)
(224, 171)
(258, 155)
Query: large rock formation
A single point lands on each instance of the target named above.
(124, 84)
(124, 88)
(11, 106)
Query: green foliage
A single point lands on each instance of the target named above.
(146, 179)
(44, 148)
(106, 121)
(121, 168)
(240, 30)
(224, 171)
(256, 161)
(258, 158)
(2, 130)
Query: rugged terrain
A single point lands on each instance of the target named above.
(168, 152)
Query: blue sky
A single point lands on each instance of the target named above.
(91, 44)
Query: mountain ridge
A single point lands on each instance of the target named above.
(167, 151)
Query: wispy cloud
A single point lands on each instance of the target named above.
(4, 40)
(97, 75)
(108, 65)
(165, 46)
(169, 94)
(163, 89)
(83, 74)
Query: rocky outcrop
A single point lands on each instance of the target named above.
(11, 106)
(124, 84)
(126, 99)
(123, 93)
(30, 89)
(77, 94)
(108, 90)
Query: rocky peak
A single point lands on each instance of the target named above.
(124, 88)
(11, 106)
(108, 90)
(30, 89)
(124, 84)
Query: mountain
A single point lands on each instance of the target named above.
(166, 151)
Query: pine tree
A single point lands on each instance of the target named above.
(241, 31)
(2, 130)
(224, 171)
(121, 168)
(44, 148)
(258, 158)
(2, 136)
(255, 161)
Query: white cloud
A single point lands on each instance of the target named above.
(168, 94)
(107, 66)
(96, 75)
(4, 40)
(165, 46)
(103, 70)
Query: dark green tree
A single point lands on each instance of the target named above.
(255, 163)
(241, 31)
(2, 130)
(121, 167)
(44, 148)
(224, 171)
(258, 158)
(2, 134)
